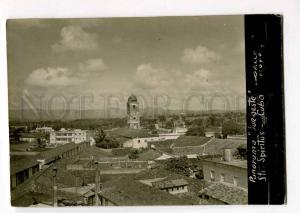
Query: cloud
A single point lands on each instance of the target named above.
(92, 67)
(74, 38)
(199, 55)
(45, 77)
(116, 39)
(86, 71)
(202, 81)
(148, 77)
(197, 78)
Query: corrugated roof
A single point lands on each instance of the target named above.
(226, 193)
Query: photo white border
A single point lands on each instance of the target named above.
(125, 8)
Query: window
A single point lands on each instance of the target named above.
(212, 175)
(222, 177)
(235, 181)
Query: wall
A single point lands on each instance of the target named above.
(106, 202)
(169, 136)
(21, 176)
(29, 140)
(229, 172)
(177, 190)
(137, 143)
(62, 137)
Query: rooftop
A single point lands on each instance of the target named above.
(56, 151)
(217, 146)
(130, 133)
(213, 129)
(183, 141)
(226, 193)
(19, 163)
(169, 183)
(125, 192)
(235, 162)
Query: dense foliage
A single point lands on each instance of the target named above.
(232, 128)
(102, 141)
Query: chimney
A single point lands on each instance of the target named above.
(227, 155)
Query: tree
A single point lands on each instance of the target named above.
(231, 128)
(195, 131)
(134, 154)
(162, 119)
(103, 141)
(242, 151)
(178, 165)
(169, 124)
(41, 140)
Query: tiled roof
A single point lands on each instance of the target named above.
(226, 193)
(169, 183)
(126, 192)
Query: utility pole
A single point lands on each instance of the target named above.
(54, 170)
(97, 185)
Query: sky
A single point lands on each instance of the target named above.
(174, 62)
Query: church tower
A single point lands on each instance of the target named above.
(133, 114)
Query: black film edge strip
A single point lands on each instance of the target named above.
(265, 109)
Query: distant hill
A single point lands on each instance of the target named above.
(45, 115)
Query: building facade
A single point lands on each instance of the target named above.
(64, 136)
(172, 186)
(139, 143)
(227, 170)
(133, 114)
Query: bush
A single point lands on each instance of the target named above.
(134, 154)
(103, 142)
(195, 131)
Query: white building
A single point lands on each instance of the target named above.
(169, 136)
(139, 143)
(64, 136)
(180, 130)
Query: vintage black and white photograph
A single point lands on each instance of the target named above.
(131, 111)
